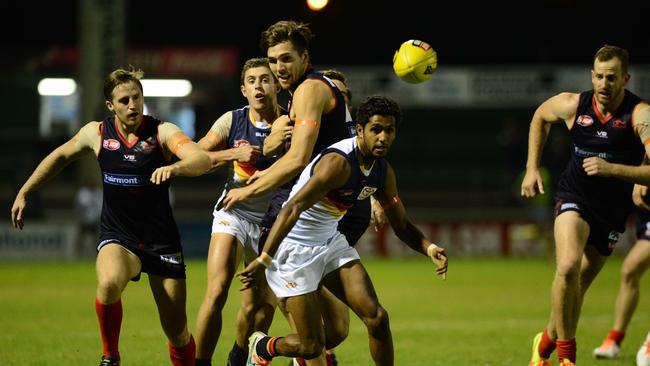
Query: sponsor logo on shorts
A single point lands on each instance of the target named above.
(366, 192)
(111, 144)
(174, 258)
(224, 223)
(291, 284)
(585, 120)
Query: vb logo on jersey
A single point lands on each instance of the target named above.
(366, 192)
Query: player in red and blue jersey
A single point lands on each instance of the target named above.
(138, 232)
(609, 126)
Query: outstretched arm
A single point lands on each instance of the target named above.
(404, 228)
(215, 143)
(331, 172)
(84, 142)
(193, 160)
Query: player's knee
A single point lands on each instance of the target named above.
(378, 324)
(568, 270)
(630, 272)
(336, 332)
(264, 316)
(311, 348)
(217, 295)
(109, 289)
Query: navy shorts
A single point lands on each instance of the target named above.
(602, 235)
(164, 261)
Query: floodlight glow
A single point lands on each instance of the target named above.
(57, 86)
(166, 87)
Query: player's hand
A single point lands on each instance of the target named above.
(377, 218)
(286, 127)
(638, 194)
(247, 154)
(17, 211)
(257, 175)
(162, 174)
(597, 167)
(439, 258)
(248, 274)
(234, 195)
(532, 184)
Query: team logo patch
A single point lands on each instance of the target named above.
(585, 120)
(111, 144)
(366, 192)
(241, 142)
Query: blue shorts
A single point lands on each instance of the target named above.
(602, 235)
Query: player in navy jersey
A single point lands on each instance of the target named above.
(138, 232)
(237, 136)
(609, 127)
(634, 266)
(317, 111)
(304, 249)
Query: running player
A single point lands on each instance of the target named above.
(608, 126)
(304, 249)
(237, 231)
(138, 232)
(634, 266)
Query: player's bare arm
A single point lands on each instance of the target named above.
(193, 160)
(215, 143)
(559, 108)
(310, 101)
(281, 131)
(86, 141)
(636, 174)
(331, 172)
(388, 197)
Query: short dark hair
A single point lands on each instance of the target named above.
(287, 30)
(119, 77)
(608, 52)
(255, 62)
(338, 75)
(378, 105)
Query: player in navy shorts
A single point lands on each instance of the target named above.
(138, 232)
(609, 128)
(636, 263)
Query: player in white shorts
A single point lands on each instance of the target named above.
(304, 250)
(237, 136)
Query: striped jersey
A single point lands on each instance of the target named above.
(318, 224)
(244, 131)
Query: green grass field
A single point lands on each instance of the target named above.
(484, 314)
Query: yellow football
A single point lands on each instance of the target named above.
(415, 61)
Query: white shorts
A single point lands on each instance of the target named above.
(298, 269)
(247, 233)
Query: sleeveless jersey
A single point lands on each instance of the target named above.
(335, 126)
(318, 224)
(134, 209)
(611, 139)
(243, 132)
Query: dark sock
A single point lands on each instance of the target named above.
(237, 356)
(266, 348)
(566, 349)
